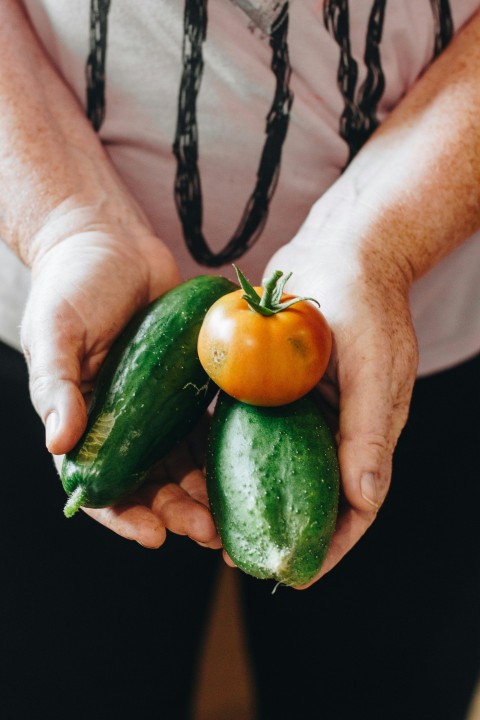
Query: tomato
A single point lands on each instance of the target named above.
(264, 360)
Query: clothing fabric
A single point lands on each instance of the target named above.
(94, 626)
(390, 42)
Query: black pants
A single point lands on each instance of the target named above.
(94, 626)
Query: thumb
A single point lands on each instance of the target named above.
(365, 447)
(372, 415)
(53, 347)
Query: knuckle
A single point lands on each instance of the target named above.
(40, 382)
(40, 387)
(377, 441)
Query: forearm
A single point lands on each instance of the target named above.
(50, 158)
(413, 191)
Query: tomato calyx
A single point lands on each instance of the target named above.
(270, 303)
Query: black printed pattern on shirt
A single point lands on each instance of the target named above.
(443, 24)
(359, 116)
(188, 189)
(95, 67)
(357, 121)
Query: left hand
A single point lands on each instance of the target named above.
(371, 372)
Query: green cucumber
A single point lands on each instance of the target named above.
(273, 484)
(151, 391)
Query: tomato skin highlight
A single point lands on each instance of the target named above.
(266, 361)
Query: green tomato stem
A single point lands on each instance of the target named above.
(269, 285)
(270, 302)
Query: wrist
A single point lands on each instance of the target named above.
(350, 240)
(76, 215)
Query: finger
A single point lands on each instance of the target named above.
(182, 469)
(131, 521)
(375, 389)
(180, 513)
(191, 480)
(53, 349)
(194, 485)
(228, 560)
(215, 544)
(373, 410)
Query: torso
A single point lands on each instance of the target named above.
(143, 77)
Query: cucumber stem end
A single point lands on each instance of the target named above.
(74, 502)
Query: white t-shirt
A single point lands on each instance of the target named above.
(143, 71)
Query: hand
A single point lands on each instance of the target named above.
(85, 287)
(174, 498)
(372, 369)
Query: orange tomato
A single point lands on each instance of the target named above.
(261, 360)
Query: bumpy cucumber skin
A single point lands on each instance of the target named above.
(273, 485)
(150, 393)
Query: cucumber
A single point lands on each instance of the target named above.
(273, 485)
(151, 391)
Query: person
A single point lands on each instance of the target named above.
(363, 181)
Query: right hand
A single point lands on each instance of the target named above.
(85, 288)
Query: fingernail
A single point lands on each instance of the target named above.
(51, 425)
(368, 488)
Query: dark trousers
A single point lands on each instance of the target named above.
(94, 626)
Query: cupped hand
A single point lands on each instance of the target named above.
(84, 290)
(173, 498)
(372, 370)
